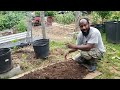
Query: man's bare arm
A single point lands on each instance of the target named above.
(86, 47)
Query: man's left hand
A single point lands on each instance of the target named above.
(70, 46)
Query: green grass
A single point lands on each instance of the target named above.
(110, 63)
(54, 44)
(59, 44)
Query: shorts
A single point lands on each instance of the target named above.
(93, 53)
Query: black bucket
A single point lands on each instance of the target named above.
(5, 60)
(41, 48)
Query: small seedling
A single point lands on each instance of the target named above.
(15, 47)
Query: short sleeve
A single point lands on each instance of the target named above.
(79, 39)
(93, 39)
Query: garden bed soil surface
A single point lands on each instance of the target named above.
(62, 70)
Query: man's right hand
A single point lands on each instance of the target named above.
(70, 51)
(66, 55)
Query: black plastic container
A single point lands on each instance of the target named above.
(41, 48)
(100, 27)
(5, 60)
(113, 31)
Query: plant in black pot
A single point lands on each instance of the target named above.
(41, 46)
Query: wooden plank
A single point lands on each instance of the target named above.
(92, 75)
(9, 38)
(12, 44)
(22, 74)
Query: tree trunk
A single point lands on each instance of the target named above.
(42, 19)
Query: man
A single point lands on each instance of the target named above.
(90, 44)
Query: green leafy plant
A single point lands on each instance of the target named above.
(14, 41)
(15, 47)
(66, 18)
(10, 19)
(95, 18)
(104, 14)
(115, 16)
(3, 12)
(59, 18)
(21, 27)
(37, 13)
(50, 13)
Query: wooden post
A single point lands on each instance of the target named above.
(42, 18)
(29, 28)
(77, 15)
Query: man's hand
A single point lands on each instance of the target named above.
(66, 55)
(86, 47)
(70, 46)
(70, 51)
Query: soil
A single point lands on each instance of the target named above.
(63, 70)
(24, 53)
(6, 33)
(25, 57)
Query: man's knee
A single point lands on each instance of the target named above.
(93, 53)
(77, 57)
(85, 55)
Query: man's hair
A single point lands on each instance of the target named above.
(85, 19)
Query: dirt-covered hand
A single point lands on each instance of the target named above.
(70, 51)
(70, 46)
(66, 55)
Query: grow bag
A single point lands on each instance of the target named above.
(5, 60)
(41, 48)
(113, 31)
(100, 27)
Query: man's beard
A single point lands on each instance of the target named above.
(85, 33)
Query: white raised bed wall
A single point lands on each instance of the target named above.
(8, 41)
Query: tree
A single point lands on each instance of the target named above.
(103, 14)
(115, 15)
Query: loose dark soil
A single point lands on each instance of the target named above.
(63, 70)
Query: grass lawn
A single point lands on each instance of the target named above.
(110, 63)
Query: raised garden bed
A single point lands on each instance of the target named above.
(55, 67)
(62, 70)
